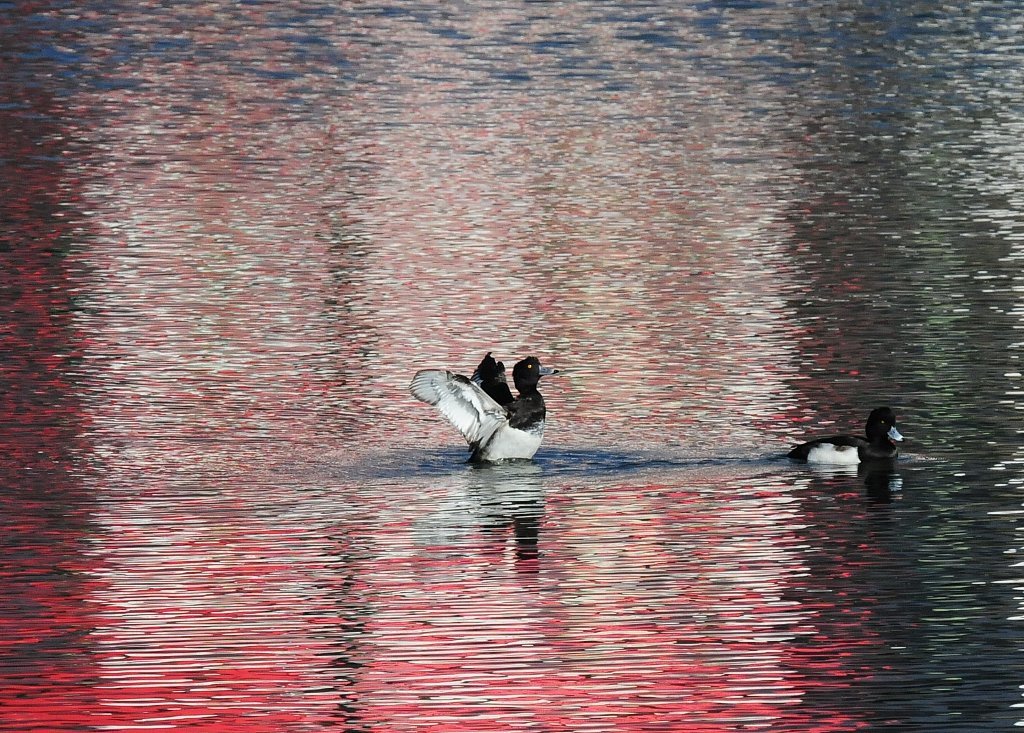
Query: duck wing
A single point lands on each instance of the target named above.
(490, 376)
(463, 404)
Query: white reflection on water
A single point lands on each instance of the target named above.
(1001, 205)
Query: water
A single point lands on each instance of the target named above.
(232, 232)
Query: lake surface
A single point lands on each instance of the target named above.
(233, 231)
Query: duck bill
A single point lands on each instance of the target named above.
(894, 434)
(548, 371)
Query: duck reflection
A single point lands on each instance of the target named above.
(882, 479)
(510, 497)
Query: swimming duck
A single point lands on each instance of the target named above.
(496, 426)
(879, 442)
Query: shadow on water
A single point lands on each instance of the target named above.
(553, 464)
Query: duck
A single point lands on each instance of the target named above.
(497, 426)
(877, 443)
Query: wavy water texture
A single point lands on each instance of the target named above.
(232, 233)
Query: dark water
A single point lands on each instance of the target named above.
(232, 231)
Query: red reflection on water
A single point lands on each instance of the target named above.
(219, 628)
(47, 672)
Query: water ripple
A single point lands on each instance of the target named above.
(233, 232)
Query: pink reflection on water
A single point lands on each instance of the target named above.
(571, 225)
